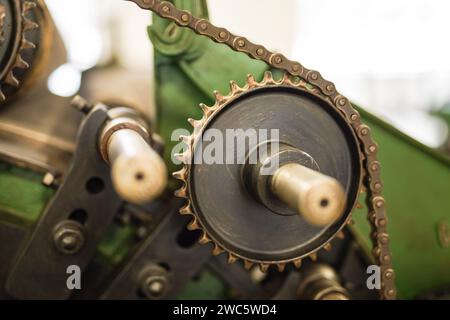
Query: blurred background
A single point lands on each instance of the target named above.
(390, 57)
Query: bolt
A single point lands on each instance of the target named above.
(154, 281)
(69, 237)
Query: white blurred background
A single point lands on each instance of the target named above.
(392, 57)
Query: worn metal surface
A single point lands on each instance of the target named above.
(22, 30)
(235, 221)
(327, 91)
(87, 197)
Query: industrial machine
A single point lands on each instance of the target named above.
(99, 188)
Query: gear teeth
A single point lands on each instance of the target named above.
(20, 63)
(340, 235)
(327, 247)
(217, 250)
(350, 222)
(251, 81)
(194, 123)
(205, 109)
(234, 87)
(180, 174)
(27, 44)
(264, 267)
(11, 80)
(219, 97)
(359, 205)
(231, 259)
(181, 193)
(268, 78)
(297, 263)
(29, 25)
(186, 209)
(248, 264)
(313, 256)
(193, 225)
(281, 267)
(204, 239)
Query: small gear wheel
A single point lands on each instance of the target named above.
(19, 37)
(258, 229)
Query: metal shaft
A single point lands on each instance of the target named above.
(138, 173)
(318, 198)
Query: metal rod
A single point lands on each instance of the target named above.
(318, 198)
(138, 173)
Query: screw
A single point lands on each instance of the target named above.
(69, 237)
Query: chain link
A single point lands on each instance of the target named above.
(374, 200)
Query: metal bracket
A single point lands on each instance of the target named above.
(160, 248)
(72, 225)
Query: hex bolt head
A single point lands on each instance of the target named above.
(69, 237)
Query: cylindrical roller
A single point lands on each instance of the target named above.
(138, 173)
(318, 198)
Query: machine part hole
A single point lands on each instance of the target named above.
(324, 202)
(95, 185)
(139, 176)
(79, 215)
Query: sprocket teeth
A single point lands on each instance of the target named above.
(328, 247)
(12, 80)
(297, 263)
(264, 267)
(268, 78)
(219, 97)
(180, 174)
(281, 267)
(234, 87)
(248, 264)
(181, 193)
(217, 250)
(340, 235)
(20, 63)
(194, 123)
(186, 210)
(204, 239)
(313, 256)
(231, 259)
(27, 44)
(193, 225)
(205, 109)
(251, 82)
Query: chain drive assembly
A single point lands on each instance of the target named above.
(316, 84)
